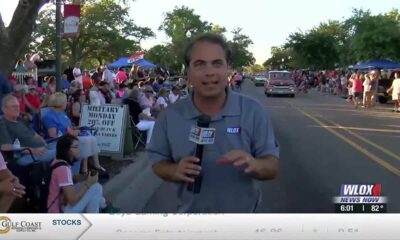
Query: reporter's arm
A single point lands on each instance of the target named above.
(266, 168)
(166, 170)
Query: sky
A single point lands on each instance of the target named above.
(268, 23)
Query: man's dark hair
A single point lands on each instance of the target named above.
(210, 38)
(64, 144)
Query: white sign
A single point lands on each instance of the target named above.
(71, 25)
(109, 120)
(202, 135)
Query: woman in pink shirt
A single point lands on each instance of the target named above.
(68, 193)
(357, 89)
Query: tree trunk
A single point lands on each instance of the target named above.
(15, 38)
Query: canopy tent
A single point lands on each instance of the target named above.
(124, 62)
(377, 63)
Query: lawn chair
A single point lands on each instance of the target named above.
(138, 136)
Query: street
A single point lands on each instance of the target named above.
(325, 142)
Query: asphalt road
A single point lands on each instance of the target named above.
(325, 142)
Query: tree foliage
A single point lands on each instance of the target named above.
(239, 45)
(105, 33)
(333, 44)
(15, 37)
(183, 24)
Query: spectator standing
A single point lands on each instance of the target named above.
(28, 64)
(19, 67)
(395, 91)
(108, 77)
(78, 74)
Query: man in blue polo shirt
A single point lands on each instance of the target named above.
(244, 148)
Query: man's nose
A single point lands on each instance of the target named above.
(209, 70)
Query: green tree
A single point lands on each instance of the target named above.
(16, 36)
(105, 33)
(180, 25)
(279, 59)
(374, 36)
(160, 55)
(239, 45)
(256, 68)
(320, 48)
(216, 28)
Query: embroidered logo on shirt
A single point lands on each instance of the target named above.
(233, 130)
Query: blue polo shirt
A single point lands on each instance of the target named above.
(58, 120)
(225, 188)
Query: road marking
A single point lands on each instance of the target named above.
(363, 129)
(358, 147)
(375, 145)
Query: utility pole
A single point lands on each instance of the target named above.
(58, 44)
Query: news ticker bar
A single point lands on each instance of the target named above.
(200, 226)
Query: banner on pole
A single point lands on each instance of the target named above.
(136, 56)
(72, 12)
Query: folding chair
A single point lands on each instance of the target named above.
(138, 136)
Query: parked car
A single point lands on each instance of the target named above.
(279, 83)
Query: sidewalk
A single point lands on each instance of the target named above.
(133, 187)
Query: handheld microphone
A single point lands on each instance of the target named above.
(201, 135)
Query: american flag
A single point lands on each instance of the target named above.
(136, 56)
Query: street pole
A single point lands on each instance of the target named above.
(58, 44)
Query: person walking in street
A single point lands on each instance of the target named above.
(357, 90)
(367, 91)
(242, 152)
(395, 91)
(371, 99)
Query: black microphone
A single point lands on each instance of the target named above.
(202, 122)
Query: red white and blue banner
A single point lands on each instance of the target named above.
(72, 13)
(136, 56)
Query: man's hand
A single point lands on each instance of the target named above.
(38, 151)
(262, 168)
(187, 169)
(11, 186)
(240, 159)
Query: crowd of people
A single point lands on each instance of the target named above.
(360, 89)
(45, 125)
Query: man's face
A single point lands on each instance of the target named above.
(11, 109)
(208, 70)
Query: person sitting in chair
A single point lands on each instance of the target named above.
(56, 122)
(143, 121)
(13, 128)
(71, 193)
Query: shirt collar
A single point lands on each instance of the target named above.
(231, 107)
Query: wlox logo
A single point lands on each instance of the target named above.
(234, 130)
(360, 189)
